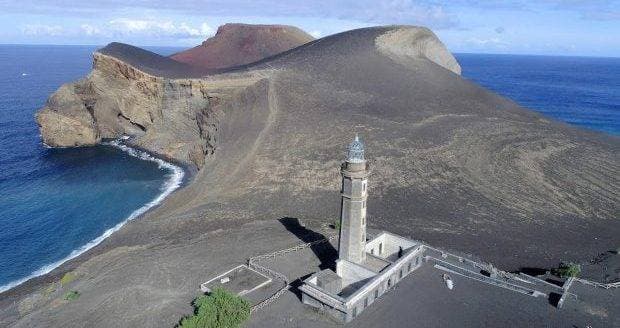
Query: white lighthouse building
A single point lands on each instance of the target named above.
(354, 191)
(366, 267)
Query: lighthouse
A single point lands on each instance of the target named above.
(354, 191)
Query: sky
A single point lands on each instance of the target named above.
(543, 27)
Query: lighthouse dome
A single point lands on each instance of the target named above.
(355, 151)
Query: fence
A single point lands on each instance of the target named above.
(599, 284)
(253, 264)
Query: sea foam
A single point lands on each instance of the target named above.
(173, 182)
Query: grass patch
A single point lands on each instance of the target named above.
(67, 278)
(220, 309)
(51, 288)
(336, 225)
(567, 269)
(71, 295)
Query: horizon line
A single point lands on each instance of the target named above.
(189, 47)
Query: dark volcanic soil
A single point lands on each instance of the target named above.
(149, 62)
(452, 164)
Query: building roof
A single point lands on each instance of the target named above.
(355, 151)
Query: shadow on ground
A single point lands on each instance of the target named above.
(325, 252)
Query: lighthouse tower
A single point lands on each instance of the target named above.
(354, 191)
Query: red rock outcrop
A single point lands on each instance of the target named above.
(239, 44)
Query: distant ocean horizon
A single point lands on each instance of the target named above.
(57, 203)
(582, 91)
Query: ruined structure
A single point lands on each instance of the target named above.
(366, 268)
(369, 266)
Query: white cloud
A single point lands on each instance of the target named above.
(485, 42)
(316, 34)
(149, 30)
(42, 30)
(90, 30)
(206, 30)
(158, 28)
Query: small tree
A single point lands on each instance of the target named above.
(220, 309)
(568, 269)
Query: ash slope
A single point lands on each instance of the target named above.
(453, 164)
(148, 61)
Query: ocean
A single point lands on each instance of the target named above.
(57, 203)
(582, 91)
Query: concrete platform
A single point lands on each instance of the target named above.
(240, 280)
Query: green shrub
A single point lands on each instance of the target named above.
(568, 269)
(67, 278)
(71, 295)
(336, 225)
(220, 309)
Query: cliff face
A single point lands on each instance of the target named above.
(239, 44)
(169, 117)
(402, 44)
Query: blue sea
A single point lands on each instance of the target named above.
(583, 91)
(57, 203)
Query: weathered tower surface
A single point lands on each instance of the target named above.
(354, 191)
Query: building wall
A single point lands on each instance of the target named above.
(383, 283)
(378, 284)
(322, 307)
(353, 219)
(389, 245)
(352, 273)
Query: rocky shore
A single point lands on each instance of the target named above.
(453, 164)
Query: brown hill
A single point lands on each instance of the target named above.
(239, 44)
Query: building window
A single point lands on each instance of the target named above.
(380, 248)
(401, 273)
(417, 260)
(372, 251)
(366, 302)
(364, 220)
(354, 312)
(409, 266)
(364, 186)
(389, 283)
(377, 293)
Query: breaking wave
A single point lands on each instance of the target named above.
(173, 182)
